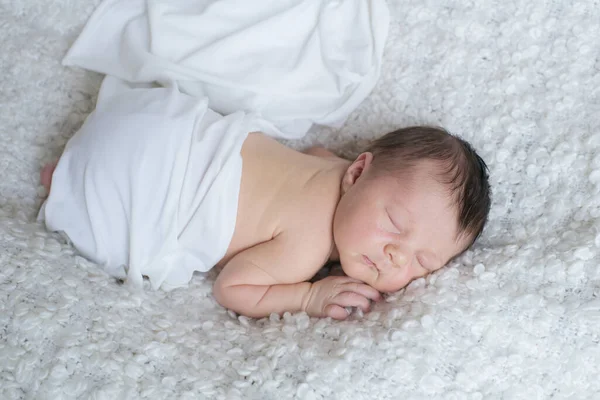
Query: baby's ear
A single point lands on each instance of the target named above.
(356, 170)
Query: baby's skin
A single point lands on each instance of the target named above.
(298, 211)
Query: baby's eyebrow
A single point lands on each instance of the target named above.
(392, 218)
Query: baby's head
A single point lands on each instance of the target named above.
(415, 199)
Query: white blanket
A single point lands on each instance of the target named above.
(149, 185)
(295, 62)
(515, 318)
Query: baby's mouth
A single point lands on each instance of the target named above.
(373, 268)
(370, 263)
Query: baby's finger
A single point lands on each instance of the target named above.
(336, 312)
(351, 299)
(364, 290)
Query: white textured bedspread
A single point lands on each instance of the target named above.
(518, 317)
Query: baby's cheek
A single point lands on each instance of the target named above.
(352, 270)
(407, 275)
(393, 284)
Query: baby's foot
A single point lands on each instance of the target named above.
(46, 175)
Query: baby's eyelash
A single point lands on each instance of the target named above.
(422, 264)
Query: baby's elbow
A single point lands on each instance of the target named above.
(235, 298)
(223, 295)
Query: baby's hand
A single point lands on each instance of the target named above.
(329, 297)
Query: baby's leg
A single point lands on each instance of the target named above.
(46, 175)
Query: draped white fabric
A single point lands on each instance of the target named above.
(294, 62)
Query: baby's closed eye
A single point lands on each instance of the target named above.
(424, 263)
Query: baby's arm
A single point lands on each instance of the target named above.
(270, 278)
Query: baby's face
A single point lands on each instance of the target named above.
(389, 230)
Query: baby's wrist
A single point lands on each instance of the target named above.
(306, 296)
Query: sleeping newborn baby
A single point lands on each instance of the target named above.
(157, 185)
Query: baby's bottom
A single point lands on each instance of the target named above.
(46, 175)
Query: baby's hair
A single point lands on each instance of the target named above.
(462, 169)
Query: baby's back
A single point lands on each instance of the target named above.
(278, 193)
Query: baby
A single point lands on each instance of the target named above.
(132, 187)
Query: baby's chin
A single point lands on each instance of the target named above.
(352, 273)
(344, 270)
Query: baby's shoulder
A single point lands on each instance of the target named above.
(308, 244)
(309, 220)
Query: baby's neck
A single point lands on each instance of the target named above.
(331, 179)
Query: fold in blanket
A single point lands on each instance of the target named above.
(293, 62)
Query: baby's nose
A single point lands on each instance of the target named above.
(396, 255)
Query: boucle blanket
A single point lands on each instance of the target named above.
(516, 317)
